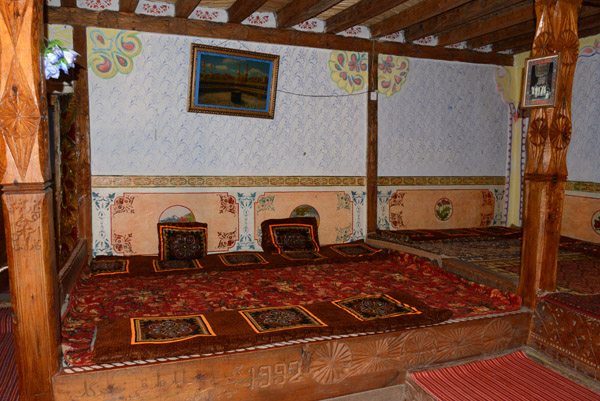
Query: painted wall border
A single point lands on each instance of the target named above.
(437, 180)
(122, 181)
(583, 186)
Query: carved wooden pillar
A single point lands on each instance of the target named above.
(27, 199)
(84, 186)
(548, 137)
(372, 144)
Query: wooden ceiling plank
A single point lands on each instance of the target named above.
(242, 9)
(183, 8)
(504, 20)
(589, 32)
(503, 34)
(456, 17)
(418, 13)
(360, 12)
(514, 42)
(298, 11)
(128, 6)
(586, 17)
(68, 3)
(189, 27)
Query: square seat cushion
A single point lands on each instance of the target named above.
(290, 235)
(181, 241)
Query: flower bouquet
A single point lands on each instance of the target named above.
(57, 58)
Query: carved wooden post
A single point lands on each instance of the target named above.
(84, 188)
(372, 143)
(27, 198)
(548, 137)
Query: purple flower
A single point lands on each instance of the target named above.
(50, 70)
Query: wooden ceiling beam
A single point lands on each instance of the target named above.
(456, 17)
(514, 16)
(586, 17)
(359, 12)
(183, 8)
(592, 2)
(502, 34)
(298, 11)
(68, 3)
(242, 9)
(410, 16)
(514, 42)
(289, 37)
(128, 6)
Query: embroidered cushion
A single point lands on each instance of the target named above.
(289, 235)
(178, 241)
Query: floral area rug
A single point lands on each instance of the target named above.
(103, 297)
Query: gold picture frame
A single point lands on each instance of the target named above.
(233, 82)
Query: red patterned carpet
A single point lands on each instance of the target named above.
(513, 377)
(9, 390)
(112, 297)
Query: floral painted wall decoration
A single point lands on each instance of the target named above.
(349, 70)
(112, 51)
(391, 74)
(589, 51)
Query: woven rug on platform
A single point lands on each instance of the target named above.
(9, 387)
(512, 377)
(576, 272)
(588, 305)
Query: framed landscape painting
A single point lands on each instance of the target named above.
(235, 82)
(541, 81)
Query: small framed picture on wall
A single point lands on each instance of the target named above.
(540, 81)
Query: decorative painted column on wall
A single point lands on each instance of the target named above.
(548, 138)
(27, 197)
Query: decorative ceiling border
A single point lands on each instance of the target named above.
(122, 181)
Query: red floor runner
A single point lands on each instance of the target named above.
(9, 387)
(513, 377)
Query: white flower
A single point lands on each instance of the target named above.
(70, 56)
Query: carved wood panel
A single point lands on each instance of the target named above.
(568, 337)
(23, 127)
(309, 371)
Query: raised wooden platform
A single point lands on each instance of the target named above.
(303, 371)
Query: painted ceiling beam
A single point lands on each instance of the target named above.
(128, 6)
(298, 11)
(242, 9)
(514, 16)
(502, 38)
(420, 12)
(289, 37)
(359, 12)
(456, 17)
(183, 8)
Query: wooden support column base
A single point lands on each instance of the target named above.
(32, 274)
(541, 235)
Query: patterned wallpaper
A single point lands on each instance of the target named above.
(139, 124)
(583, 162)
(446, 120)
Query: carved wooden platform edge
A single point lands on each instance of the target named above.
(567, 337)
(310, 371)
